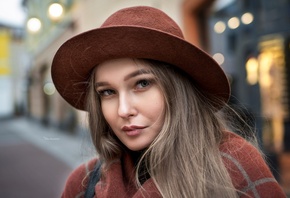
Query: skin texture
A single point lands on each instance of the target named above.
(132, 102)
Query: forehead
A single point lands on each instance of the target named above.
(119, 67)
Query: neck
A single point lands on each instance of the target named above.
(143, 173)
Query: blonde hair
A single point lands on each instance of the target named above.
(184, 160)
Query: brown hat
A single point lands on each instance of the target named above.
(134, 32)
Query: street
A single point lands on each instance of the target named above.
(35, 161)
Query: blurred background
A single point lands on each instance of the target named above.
(42, 138)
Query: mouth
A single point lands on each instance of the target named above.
(133, 130)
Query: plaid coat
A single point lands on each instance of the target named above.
(249, 173)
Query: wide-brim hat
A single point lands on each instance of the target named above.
(134, 32)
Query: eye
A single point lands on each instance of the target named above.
(106, 92)
(142, 84)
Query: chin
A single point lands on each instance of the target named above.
(136, 148)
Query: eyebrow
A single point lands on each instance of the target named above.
(137, 73)
(127, 77)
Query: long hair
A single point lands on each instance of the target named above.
(184, 159)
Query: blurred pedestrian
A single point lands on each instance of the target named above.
(156, 114)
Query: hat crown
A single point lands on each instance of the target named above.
(138, 16)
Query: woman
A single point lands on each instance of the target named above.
(156, 108)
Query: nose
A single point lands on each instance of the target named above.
(126, 107)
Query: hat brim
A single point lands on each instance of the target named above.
(75, 59)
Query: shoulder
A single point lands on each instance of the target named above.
(240, 156)
(77, 181)
(238, 147)
(247, 168)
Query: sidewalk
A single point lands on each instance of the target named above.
(71, 149)
(35, 161)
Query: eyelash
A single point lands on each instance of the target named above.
(149, 81)
(103, 93)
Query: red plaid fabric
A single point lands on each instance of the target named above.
(249, 173)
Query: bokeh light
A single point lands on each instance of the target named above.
(219, 58)
(33, 24)
(252, 66)
(49, 88)
(247, 18)
(234, 23)
(219, 27)
(55, 11)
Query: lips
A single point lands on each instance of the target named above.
(133, 130)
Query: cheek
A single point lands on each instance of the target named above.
(156, 107)
(108, 112)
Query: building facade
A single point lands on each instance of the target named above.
(12, 70)
(251, 39)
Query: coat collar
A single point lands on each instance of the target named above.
(119, 181)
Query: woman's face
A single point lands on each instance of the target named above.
(131, 101)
